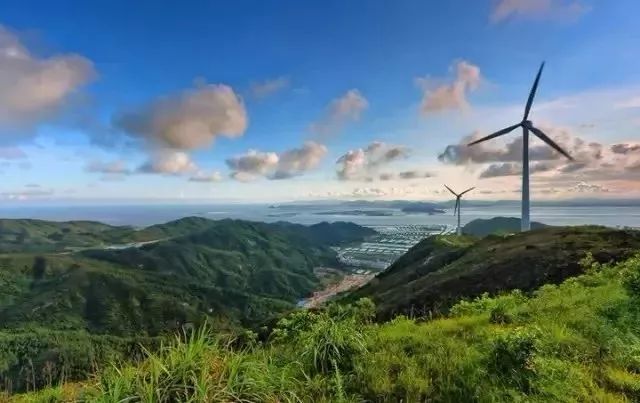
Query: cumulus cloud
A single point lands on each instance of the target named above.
(504, 169)
(299, 160)
(360, 163)
(34, 88)
(117, 167)
(451, 95)
(583, 187)
(189, 120)
(269, 87)
(538, 9)
(595, 163)
(206, 177)
(169, 162)
(253, 163)
(12, 153)
(342, 110)
(289, 163)
(625, 148)
(497, 151)
(512, 168)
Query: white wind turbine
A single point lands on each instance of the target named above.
(526, 127)
(456, 208)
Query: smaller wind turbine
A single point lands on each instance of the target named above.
(456, 209)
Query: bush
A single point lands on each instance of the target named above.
(513, 355)
(631, 276)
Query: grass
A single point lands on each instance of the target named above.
(575, 341)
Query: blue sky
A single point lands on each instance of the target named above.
(289, 100)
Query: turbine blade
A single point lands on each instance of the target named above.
(532, 94)
(547, 140)
(454, 193)
(496, 134)
(456, 206)
(468, 190)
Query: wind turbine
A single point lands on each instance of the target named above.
(526, 127)
(457, 206)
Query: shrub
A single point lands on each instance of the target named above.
(512, 357)
(631, 276)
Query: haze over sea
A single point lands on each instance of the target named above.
(143, 215)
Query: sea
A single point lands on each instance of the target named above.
(143, 215)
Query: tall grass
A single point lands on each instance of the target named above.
(575, 342)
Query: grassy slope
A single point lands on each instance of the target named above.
(577, 341)
(439, 271)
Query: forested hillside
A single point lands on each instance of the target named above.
(232, 274)
(439, 271)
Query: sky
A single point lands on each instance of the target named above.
(264, 100)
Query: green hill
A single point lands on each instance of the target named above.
(230, 273)
(27, 235)
(233, 270)
(496, 225)
(441, 270)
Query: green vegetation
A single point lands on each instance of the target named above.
(27, 235)
(441, 270)
(496, 226)
(576, 341)
(231, 274)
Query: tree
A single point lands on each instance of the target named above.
(39, 268)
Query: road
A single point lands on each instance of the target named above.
(349, 282)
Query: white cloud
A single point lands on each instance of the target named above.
(26, 194)
(202, 176)
(289, 163)
(360, 164)
(299, 160)
(169, 162)
(117, 167)
(453, 95)
(269, 87)
(252, 165)
(583, 187)
(342, 110)
(538, 9)
(32, 88)
(190, 120)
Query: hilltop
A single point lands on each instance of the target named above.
(496, 225)
(441, 270)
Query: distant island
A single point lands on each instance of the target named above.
(496, 225)
(420, 207)
(369, 213)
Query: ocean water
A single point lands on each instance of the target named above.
(143, 215)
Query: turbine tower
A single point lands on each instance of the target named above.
(527, 126)
(457, 206)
